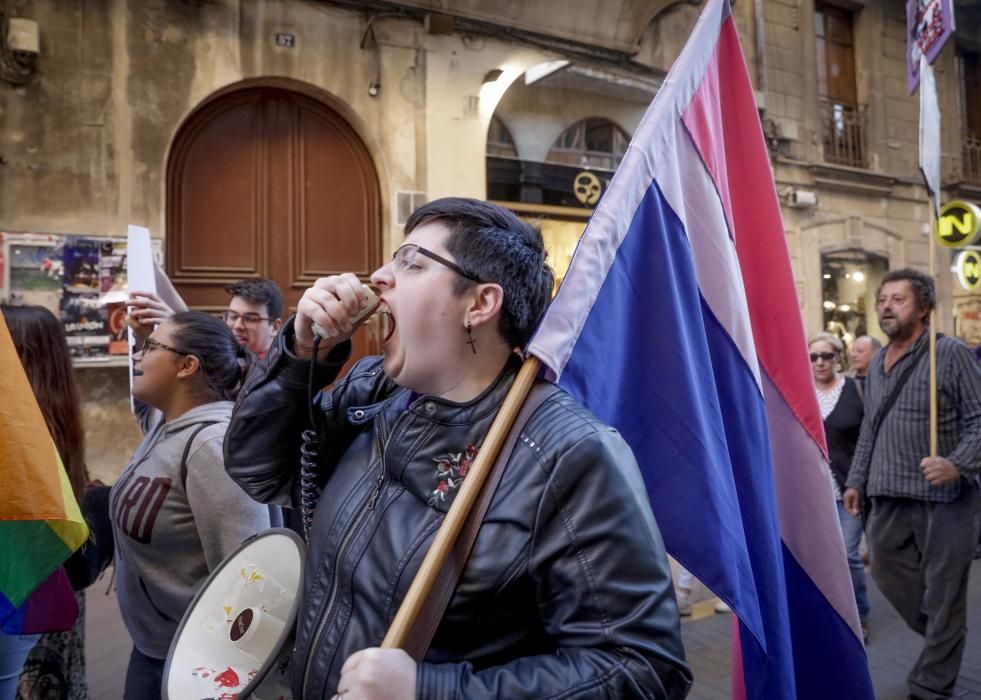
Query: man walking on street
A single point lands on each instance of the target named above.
(921, 528)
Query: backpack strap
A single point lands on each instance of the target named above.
(187, 450)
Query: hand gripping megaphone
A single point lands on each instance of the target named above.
(236, 637)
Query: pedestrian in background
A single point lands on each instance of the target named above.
(921, 528)
(841, 408)
(175, 512)
(863, 350)
(254, 313)
(55, 666)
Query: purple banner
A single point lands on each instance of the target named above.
(929, 23)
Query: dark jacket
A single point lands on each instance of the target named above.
(841, 429)
(567, 591)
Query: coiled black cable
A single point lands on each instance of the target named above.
(309, 490)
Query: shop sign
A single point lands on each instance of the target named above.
(587, 188)
(959, 224)
(968, 268)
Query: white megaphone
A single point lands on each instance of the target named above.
(236, 637)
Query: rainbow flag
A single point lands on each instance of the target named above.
(40, 521)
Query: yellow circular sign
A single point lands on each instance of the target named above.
(968, 266)
(959, 224)
(587, 188)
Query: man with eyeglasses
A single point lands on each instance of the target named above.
(255, 313)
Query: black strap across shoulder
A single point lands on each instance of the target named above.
(187, 450)
(897, 390)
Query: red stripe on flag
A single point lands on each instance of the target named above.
(738, 681)
(753, 213)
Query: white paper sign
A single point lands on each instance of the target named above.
(140, 278)
(930, 133)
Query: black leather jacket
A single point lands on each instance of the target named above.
(567, 592)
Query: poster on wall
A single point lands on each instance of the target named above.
(81, 261)
(86, 324)
(82, 280)
(34, 274)
(967, 322)
(118, 334)
(112, 267)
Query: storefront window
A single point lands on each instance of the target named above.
(850, 279)
(499, 141)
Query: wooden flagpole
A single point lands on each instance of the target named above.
(932, 330)
(456, 517)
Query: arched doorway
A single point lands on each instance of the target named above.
(268, 182)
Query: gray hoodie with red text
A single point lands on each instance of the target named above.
(171, 533)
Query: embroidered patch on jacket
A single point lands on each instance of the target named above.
(450, 471)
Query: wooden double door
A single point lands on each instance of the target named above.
(267, 182)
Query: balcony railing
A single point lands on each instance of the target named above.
(972, 158)
(844, 133)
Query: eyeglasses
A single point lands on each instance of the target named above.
(150, 344)
(826, 356)
(405, 258)
(250, 320)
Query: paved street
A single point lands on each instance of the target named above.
(891, 653)
(892, 649)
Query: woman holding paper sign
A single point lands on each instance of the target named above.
(566, 591)
(175, 512)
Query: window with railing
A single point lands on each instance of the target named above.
(844, 129)
(970, 69)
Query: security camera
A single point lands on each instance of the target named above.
(373, 89)
(802, 199)
(22, 36)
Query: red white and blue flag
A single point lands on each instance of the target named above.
(678, 323)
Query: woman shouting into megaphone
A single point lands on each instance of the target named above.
(566, 590)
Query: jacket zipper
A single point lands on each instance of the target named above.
(366, 508)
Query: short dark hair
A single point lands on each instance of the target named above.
(223, 362)
(260, 291)
(494, 245)
(923, 288)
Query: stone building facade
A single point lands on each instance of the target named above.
(289, 138)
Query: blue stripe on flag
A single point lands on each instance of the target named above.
(653, 361)
(826, 651)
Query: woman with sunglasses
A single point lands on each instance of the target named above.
(842, 411)
(176, 514)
